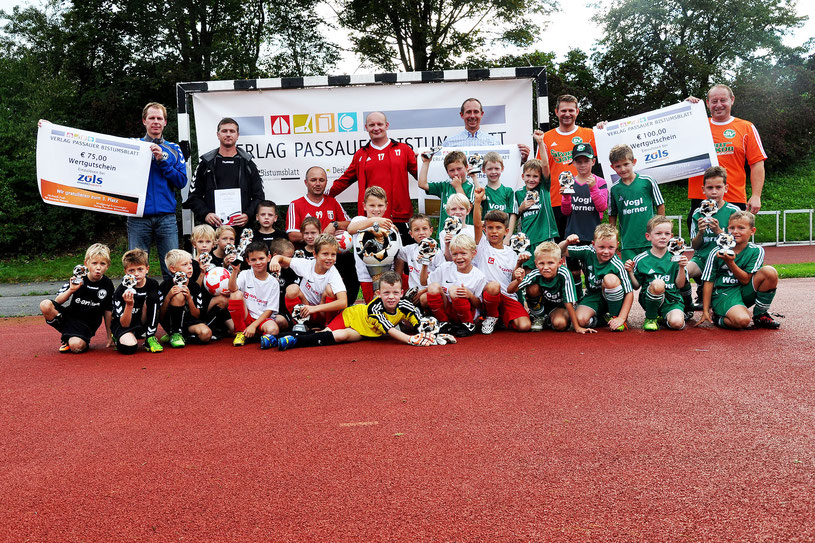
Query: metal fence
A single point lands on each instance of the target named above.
(780, 227)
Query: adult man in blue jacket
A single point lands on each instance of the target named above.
(168, 173)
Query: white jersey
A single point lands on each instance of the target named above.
(259, 295)
(414, 270)
(496, 264)
(363, 274)
(448, 276)
(312, 284)
(468, 229)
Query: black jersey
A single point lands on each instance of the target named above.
(90, 301)
(195, 291)
(148, 294)
(268, 238)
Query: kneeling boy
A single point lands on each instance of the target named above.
(254, 296)
(732, 283)
(90, 300)
(183, 304)
(135, 310)
(549, 290)
(660, 278)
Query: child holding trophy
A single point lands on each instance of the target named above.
(498, 263)
(661, 276)
(183, 302)
(708, 221)
(549, 291)
(608, 289)
(582, 203)
(376, 241)
(457, 167)
(136, 306)
(498, 196)
(536, 218)
(735, 278)
(83, 302)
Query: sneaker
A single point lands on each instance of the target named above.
(622, 328)
(650, 325)
(766, 321)
(286, 342)
(538, 323)
(446, 328)
(164, 339)
(689, 315)
(464, 329)
(152, 345)
(488, 326)
(64, 348)
(240, 340)
(177, 341)
(267, 341)
(592, 322)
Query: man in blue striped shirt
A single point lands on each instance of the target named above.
(472, 136)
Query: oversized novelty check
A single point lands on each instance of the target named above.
(669, 143)
(86, 170)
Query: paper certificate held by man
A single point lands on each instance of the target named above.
(87, 170)
(669, 143)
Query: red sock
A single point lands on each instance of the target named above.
(463, 309)
(237, 311)
(436, 304)
(491, 303)
(367, 292)
(405, 281)
(291, 302)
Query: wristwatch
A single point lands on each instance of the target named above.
(335, 224)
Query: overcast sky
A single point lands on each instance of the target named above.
(569, 28)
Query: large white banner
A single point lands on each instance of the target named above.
(669, 143)
(87, 170)
(290, 130)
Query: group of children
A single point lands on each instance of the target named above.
(435, 291)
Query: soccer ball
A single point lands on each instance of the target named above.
(377, 247)
(217, 281)
(345, 241)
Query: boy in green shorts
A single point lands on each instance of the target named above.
(608, 289)
(455, 162)
(549, 291)
(732, 283)
(497, 195)
(534, 206)
(631, 201)
(660, 277)
(704, 230)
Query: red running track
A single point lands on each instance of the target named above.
(701, 435)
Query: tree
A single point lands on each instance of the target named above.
(654, 52)
(430, 35)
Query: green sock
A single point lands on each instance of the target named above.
(652, 304)
(614, 299)
(763, 301)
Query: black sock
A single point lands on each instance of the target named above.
(177, 314)
(56, 322)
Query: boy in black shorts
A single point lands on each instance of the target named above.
(182, 302)
(135, 309)
(90, 300)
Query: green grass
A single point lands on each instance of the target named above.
(788, 271)
(32, 268)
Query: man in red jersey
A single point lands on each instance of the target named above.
(385, 163)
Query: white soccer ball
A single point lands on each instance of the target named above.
(345, 240)
(217, 281)
(378, 248)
